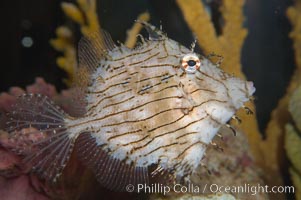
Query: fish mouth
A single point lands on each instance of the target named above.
(250, 88)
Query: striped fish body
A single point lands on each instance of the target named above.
(159, 104)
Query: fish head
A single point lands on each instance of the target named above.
(200, 73)
(206, 83)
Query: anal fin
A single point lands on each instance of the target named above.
(112, 173)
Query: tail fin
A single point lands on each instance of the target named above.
(37, 130)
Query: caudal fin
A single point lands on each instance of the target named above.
(37, 130)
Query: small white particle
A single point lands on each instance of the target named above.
(27, 42)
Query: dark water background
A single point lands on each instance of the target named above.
(267, 58)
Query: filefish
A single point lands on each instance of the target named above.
(149, 113)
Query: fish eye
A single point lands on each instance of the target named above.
(191, 63)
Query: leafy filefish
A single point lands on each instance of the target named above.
(149, 113)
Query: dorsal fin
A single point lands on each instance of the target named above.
(154, 33)
(91, 50)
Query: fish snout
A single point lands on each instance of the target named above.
(250, 88)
